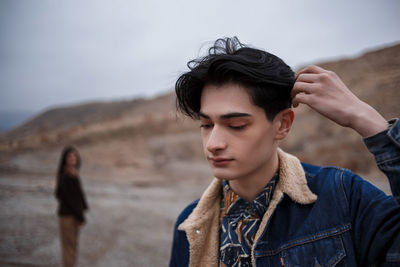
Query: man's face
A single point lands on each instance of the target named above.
(238, 140)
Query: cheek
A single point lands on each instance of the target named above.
(72, 159)
(204, 139)
(257, 146)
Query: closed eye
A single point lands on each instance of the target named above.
(240, 127)
(206, 126)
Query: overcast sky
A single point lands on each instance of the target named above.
(63, 52)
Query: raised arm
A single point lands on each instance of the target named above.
(325, 92)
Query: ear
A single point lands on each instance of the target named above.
(282, 123)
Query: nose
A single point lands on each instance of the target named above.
(216, 140)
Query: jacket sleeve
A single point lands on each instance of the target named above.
(85, 205)
(376, 216)
(180, 245)
(385, 147)
(375, 219)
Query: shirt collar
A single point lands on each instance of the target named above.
(233, 205)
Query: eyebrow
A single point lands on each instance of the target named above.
(227, 116)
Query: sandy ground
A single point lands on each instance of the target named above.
(131, 217)
(130, 223)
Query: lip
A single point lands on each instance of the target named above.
(220, 162)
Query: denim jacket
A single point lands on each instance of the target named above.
(318, 216)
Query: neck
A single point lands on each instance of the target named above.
(250, 186)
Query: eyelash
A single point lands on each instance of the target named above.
(208, 126)
(238, 127)
(205, 126)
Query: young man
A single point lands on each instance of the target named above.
(265, 208)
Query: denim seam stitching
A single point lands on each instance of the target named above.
(339, 256)
(386, 160)
(302, 241)
(341, 185)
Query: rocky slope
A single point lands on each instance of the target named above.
(149, 133)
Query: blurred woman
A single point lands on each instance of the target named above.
(72, 204)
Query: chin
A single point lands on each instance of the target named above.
(224, 175)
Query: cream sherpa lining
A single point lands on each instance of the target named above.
(202, 225)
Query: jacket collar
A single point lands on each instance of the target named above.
(202, 225)
(292, 179)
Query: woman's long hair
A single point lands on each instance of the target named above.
(61, 165)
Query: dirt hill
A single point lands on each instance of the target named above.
(147, 133)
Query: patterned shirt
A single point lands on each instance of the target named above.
(240, 220)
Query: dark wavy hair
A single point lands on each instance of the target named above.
(267, 79)
(61, 165)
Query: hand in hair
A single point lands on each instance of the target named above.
(326, 93)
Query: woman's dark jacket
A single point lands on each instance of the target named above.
(71, 198)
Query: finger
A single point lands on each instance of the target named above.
(307, 77)
(298, 99)
(301, 98)
(301, 87)
(311, 69)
